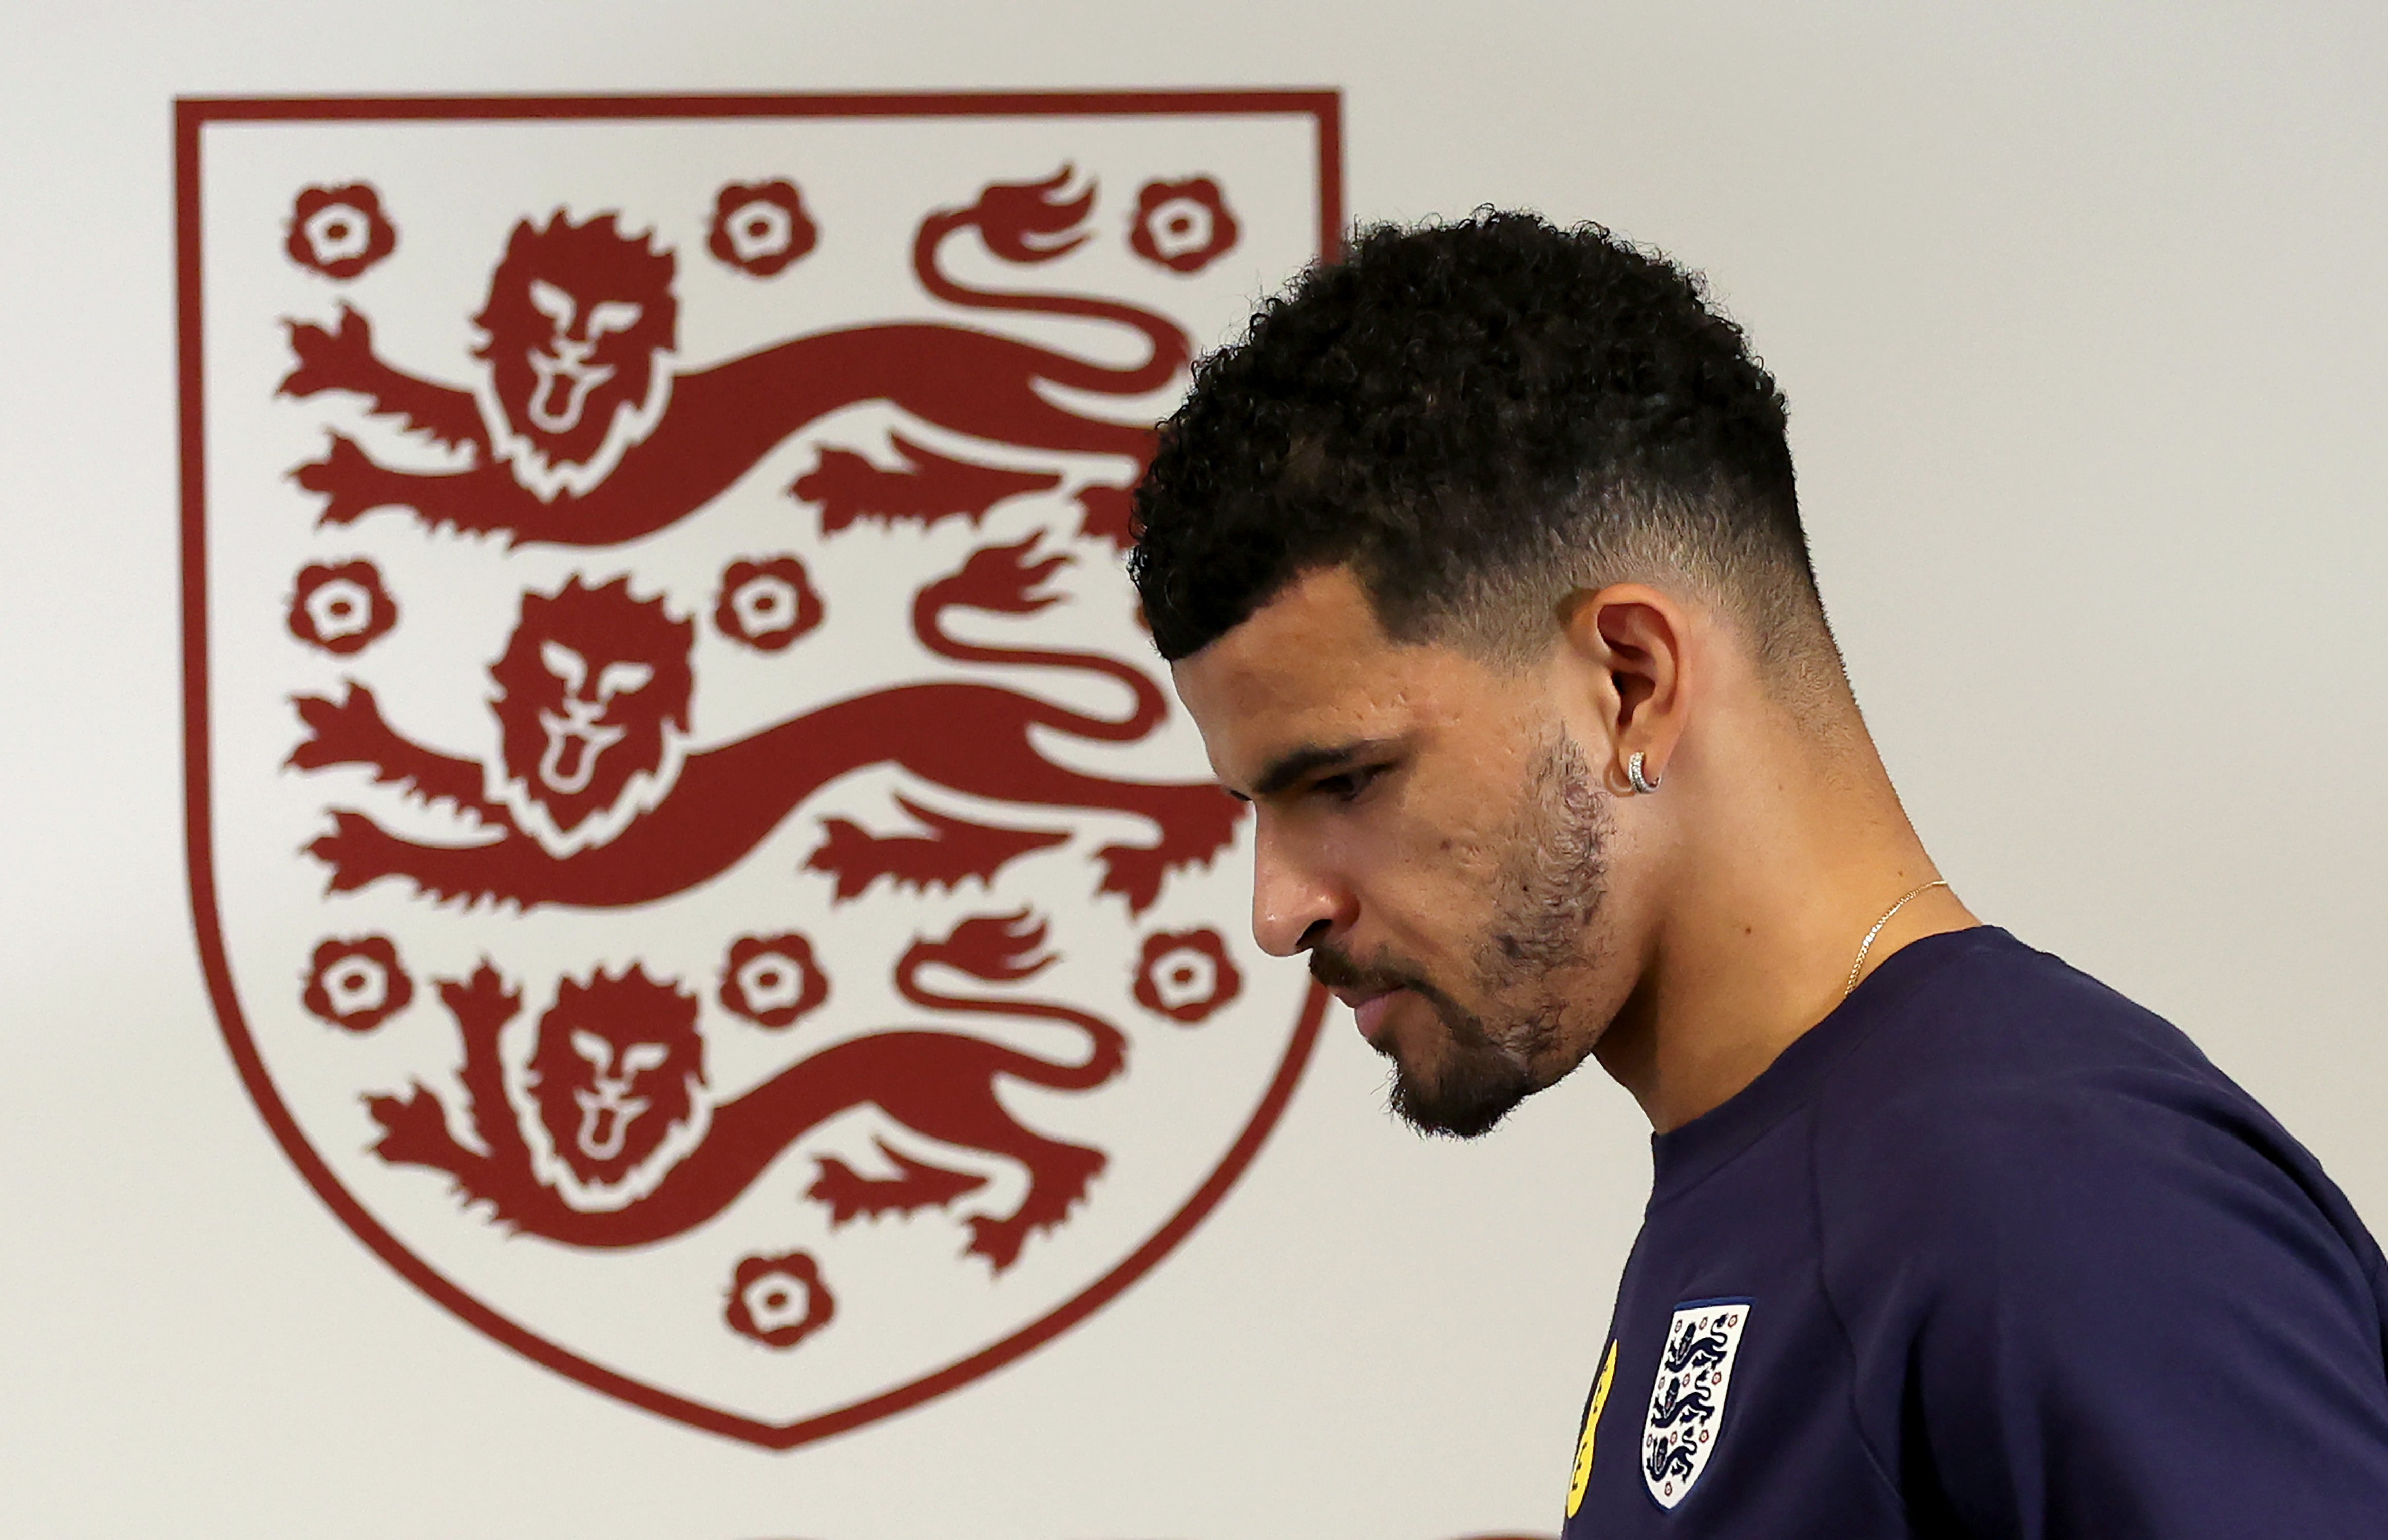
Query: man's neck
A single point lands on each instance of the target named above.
(1786, 853)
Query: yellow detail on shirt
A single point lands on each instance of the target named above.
(1591, 1431)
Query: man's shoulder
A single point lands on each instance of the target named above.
(2046, 1222)
(2001, 1101)
(1978, 1040)
(1981, 1001)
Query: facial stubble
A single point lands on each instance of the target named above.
(1551, 880)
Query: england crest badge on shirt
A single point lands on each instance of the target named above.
(1679, 1431)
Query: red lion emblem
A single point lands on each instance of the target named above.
(611, 1139)
(583, 434)
(689, 835)
(593, 802)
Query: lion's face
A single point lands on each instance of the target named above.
(578, 331)
(616, 1081)
(592, 702)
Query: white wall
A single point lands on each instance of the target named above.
(2082, 319)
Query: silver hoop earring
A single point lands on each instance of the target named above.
(1641, 783)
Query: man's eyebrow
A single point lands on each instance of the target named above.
(1286, 769)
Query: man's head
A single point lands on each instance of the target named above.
(1429, 549)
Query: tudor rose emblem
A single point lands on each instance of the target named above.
(1686, 1414)
(695, 857)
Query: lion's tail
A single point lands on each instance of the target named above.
(1005, 949)
(1009, 218)
(1001, 579)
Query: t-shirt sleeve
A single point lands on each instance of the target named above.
(2110, 1310)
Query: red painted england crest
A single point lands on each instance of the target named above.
(696, 859)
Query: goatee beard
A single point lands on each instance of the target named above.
(1479, 1083)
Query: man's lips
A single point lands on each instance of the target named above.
(1370, 1007)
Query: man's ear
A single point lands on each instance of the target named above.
(1628, 644)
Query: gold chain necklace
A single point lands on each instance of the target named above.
(1865, 946)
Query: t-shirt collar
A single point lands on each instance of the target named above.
(1683, 1157)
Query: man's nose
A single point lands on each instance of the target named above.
(1291, 896)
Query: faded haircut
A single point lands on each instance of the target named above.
(1480, 418)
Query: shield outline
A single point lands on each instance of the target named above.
(192, 114)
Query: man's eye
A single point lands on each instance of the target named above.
(1345, 785)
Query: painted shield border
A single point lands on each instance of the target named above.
(191, 116)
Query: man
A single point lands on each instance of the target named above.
(1480, 566)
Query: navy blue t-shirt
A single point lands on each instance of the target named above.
(1990, 1252)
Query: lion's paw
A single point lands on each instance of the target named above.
(338, 359)
(996, 1240)
(481, 1004)
(415, 1129)
(1197, 823)
(346, 731)
(358, 850)
(1108, 514)
(352, 483)
(1060, 1181)
(1136, 873)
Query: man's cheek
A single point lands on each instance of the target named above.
(1457, 845)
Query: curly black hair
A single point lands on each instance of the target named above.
(1477, 417)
